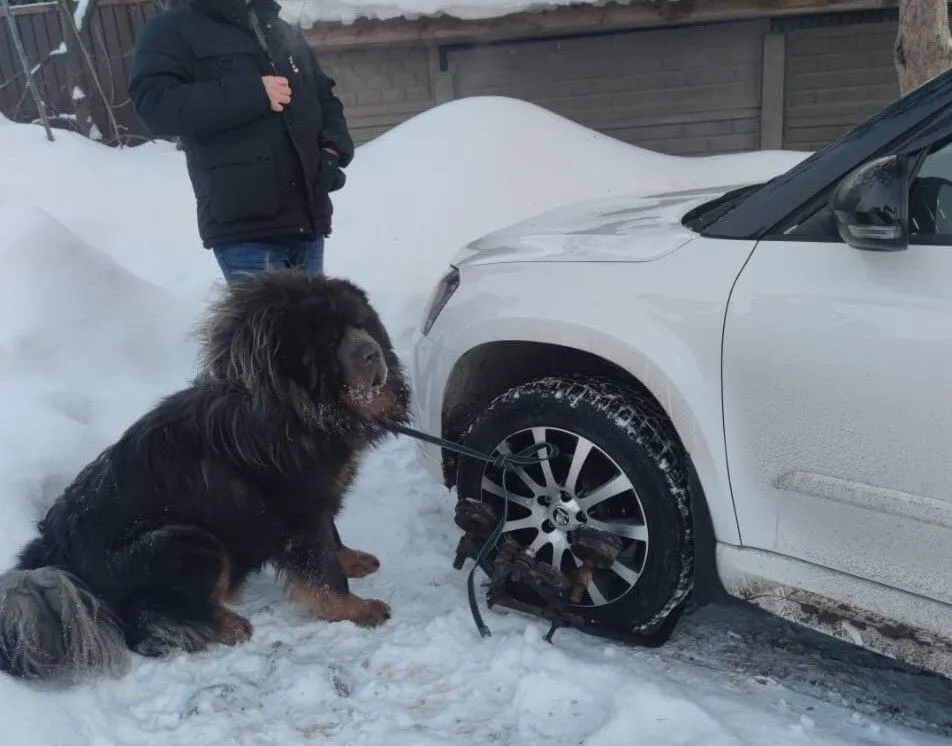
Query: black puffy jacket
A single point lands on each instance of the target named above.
(257, 174)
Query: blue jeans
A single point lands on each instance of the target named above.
(238, 258)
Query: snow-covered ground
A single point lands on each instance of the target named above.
(103, 280)
(309, 12)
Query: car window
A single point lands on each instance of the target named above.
(930, 198)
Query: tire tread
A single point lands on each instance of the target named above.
(645, 423)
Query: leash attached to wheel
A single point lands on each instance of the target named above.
(504, 462)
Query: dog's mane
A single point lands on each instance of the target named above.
(251, 345)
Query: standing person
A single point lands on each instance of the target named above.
(264, 136)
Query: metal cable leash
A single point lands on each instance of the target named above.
(508, 462)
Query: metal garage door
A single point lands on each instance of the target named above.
(681, 91)
(836, 78)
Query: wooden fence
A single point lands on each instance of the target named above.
(109, 36)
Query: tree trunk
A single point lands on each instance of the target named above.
(924, 44)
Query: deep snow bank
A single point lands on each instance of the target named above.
(135, 205)
(84, 346)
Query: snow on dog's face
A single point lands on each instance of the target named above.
(314, 345)
(363, 366)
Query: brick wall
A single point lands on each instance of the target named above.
(380, 88)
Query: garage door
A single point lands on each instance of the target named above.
(680, 91)
(836, 78)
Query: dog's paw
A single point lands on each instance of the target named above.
(357, 564)
(332, 606)
(371, 613)
(233, 629)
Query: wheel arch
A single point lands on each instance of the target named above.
(491, 368)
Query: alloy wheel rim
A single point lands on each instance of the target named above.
(583, 486)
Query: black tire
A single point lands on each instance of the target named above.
(639, 441)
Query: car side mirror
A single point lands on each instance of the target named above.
(870, 205)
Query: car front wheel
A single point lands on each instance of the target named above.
(620, 469)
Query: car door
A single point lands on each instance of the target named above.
(837, 376)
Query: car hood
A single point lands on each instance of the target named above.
(621, 229)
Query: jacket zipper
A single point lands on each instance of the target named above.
(262, 42)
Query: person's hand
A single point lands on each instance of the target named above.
(330, 177)
(278, 90)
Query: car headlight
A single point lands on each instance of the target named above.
(440, 297)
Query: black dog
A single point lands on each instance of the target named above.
(245, 467)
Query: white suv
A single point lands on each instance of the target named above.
(750, 391)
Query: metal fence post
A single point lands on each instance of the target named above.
(30, 82)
